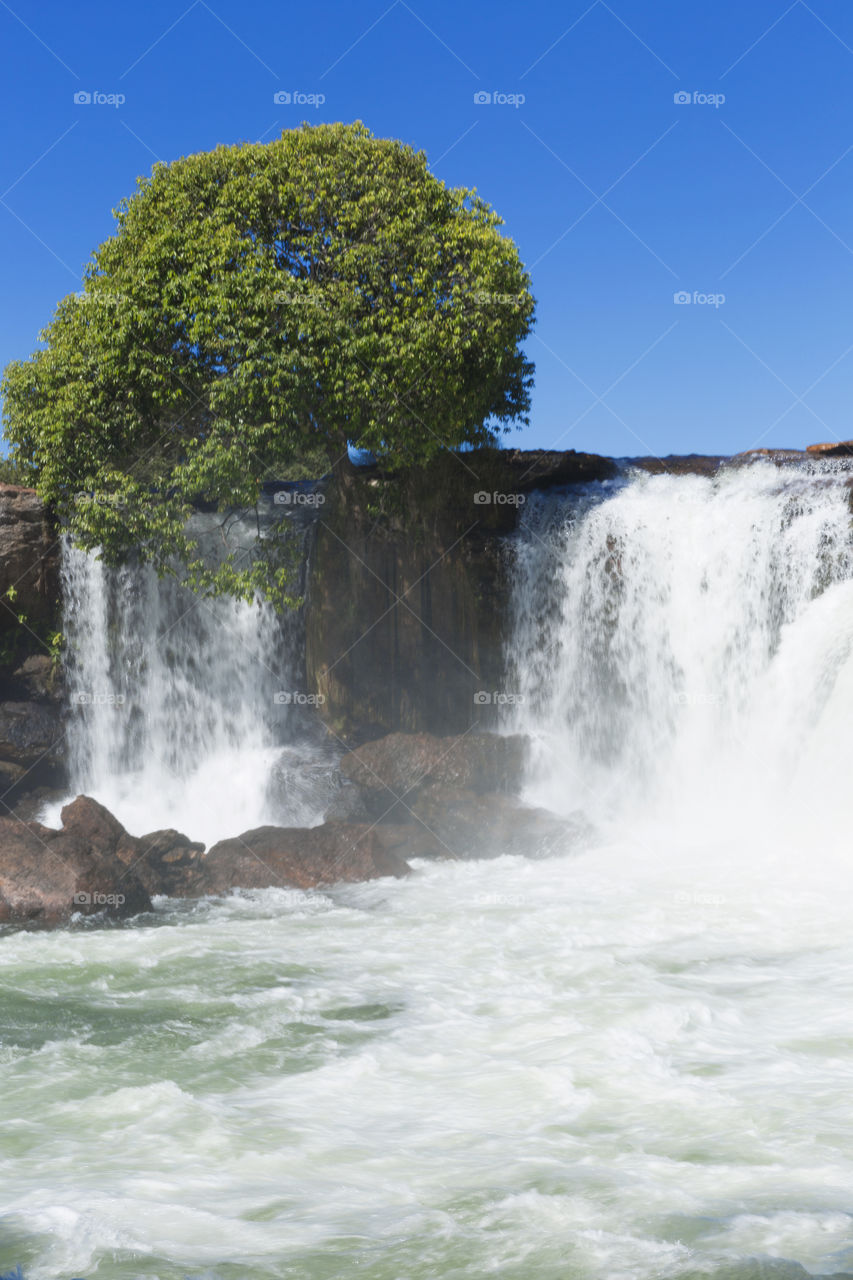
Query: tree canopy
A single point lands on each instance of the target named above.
(259, 308)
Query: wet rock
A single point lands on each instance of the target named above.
(29, 563)
(46, 876)
(396, 767)
(468, 825)
(405, 608)
(411, 840)
(303, 858)
(93, 865)
(528, 469)
(166, 862)
(92, 824)
(689, 464)
(32, 741)
(38, 678)
(832, 449)
(29, 732)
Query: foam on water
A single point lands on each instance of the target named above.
(629, 1064)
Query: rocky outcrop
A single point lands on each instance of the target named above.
(399, 762)
(832, 449)
(93, 865)
(304, 858)
(29, 565)
(466, 825)
(691, 464)
(32, 742)
(454, 797)
(31, 737)
(46, 876)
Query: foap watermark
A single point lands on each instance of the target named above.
(497, 698)
(81, 698)
(683, 298)
(482, 298)
(296, 98)
(485, 499)
(85, 98)
(500, 900)
(698, 699)
(95, 899)
(698, 898)
(292, 498)
(497, 98)
(296, 699)
(114, 500)
(284, 298)
(682, 98)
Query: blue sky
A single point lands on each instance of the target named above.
(619, 196)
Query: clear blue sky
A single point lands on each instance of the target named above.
(618, 196)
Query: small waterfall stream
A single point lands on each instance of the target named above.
(186, 712)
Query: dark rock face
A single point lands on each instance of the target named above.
(32, 742)
(303, 858)
(530, 469)
(408, 586)
(403, 615)
(691, 464)
(31, 739)
(29, 561)
(38, 678)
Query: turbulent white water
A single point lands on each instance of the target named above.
(682, 647)
(185, 711)
(628, 1064)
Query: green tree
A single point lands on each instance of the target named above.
(259, 308)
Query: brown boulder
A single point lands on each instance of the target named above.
(302, 858)
(47, 876)
(164, 862)
(93, 865)
(468, 825)
(400, 763)
(832, 449)
(410, 840)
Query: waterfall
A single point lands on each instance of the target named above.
(186, 711)
(681, 650)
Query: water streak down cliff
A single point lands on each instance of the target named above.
(683, 646)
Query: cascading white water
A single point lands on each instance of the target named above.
(682, 646)
(184, 710)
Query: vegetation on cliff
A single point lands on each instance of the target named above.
(260, 308)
